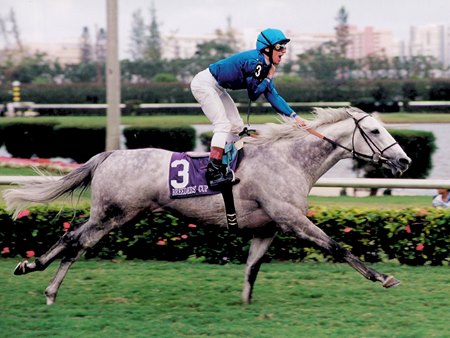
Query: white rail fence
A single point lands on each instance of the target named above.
(32, 105)
(323, 182)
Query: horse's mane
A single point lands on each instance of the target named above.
(287, 129)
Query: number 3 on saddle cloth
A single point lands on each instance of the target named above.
(187, 171)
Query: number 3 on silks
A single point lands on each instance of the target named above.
(183, 173)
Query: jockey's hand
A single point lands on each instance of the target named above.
(298, 121)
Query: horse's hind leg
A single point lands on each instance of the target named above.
(258, 247)
(83, 238)
(52, 290)
(41, 263)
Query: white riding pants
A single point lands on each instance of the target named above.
(218, 107)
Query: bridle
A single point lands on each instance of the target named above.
(377, 153)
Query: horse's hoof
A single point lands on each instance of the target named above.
(391, 282)
(20, 268)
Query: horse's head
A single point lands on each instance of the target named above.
(372, 142)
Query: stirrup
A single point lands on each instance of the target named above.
(222, 179)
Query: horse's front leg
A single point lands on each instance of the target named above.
(307, 230)
(258, 247)
(41, 263)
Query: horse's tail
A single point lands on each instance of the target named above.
(18, 199)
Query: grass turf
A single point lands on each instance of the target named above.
(182, 299)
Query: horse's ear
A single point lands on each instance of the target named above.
(353, 111)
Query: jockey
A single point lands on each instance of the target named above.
(252, 70)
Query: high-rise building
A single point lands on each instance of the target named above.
(430, 40)
(370, 41)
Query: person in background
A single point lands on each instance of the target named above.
(442, 199)
(252, 70)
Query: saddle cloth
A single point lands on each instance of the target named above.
(187, 173)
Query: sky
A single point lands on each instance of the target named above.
(63, 20)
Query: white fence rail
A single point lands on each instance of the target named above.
(36, 106)
(32, 105)
(323, 182)
(383, 183)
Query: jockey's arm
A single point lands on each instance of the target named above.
(280, 105)
(255, 88)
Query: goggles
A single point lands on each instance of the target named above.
(279, 47)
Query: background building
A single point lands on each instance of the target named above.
(430, 40)
(371, 41)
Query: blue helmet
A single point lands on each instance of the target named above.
(269, 37)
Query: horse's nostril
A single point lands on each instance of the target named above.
(405, 161)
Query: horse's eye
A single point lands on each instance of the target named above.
(375, 131)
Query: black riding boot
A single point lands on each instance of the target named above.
(218, 176)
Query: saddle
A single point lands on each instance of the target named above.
(187, 176)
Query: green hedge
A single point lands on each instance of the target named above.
(174, 139)
(50, 139)
(78, 143)
(381, 95)
(412, 236)
(24, 139)
(419, 145)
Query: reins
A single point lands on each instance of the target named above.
(377, 153)
(376, 157)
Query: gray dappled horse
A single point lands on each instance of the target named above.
(277, 173)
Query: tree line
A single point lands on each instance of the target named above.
(326, 62)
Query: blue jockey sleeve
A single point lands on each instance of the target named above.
(277, 101)
(255, 88)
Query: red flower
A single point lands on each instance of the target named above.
(5, 250)
(311, 213)
(30, 253)
(66, 226)
(348, 229)
(192, 226)
(23, 213)
(161, 242)
(420, 247)
(408, 228)
(184, 236)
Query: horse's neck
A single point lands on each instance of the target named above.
(316, 156)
